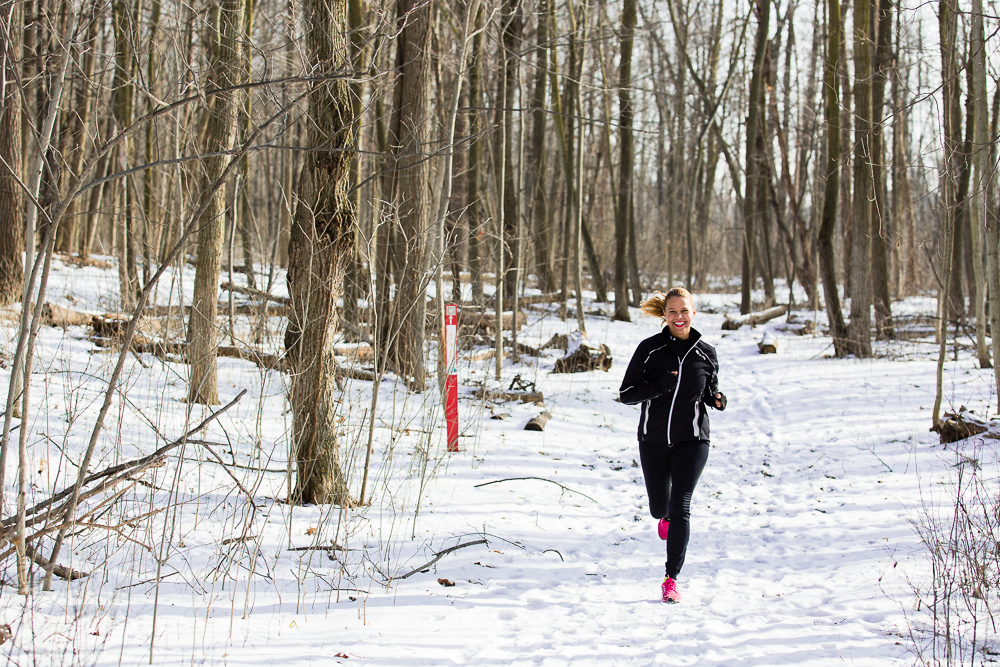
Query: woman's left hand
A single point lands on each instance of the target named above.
(720, 401)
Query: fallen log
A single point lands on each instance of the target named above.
(273, 362)
(485, 323)
(959, 426)
(243, 309)
(362, 352)
(505, 396)
(256, 293)
(57, 316)
(538, 423)
(584, 358)
(753, 319)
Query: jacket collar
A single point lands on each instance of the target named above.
(674, 343)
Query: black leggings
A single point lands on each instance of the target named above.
(671, 473)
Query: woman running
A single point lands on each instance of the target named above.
(674, 375)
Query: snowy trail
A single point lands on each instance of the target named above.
(794, 524)
(801, 550)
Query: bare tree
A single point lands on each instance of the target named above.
(319, 251)
(11, 212)
(859, 330)
(409, 191)
(625, 197)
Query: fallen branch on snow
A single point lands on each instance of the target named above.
(541, 479)
(441, 554)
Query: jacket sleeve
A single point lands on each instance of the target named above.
(635, 389)
(712, 386)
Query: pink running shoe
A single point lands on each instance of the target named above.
(670, 593)
(662, 528)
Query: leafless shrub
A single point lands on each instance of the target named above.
(961, 535)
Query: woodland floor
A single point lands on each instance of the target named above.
(802, 548)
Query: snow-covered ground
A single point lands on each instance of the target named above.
(802, 549)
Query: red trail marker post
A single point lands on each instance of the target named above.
(451, 382)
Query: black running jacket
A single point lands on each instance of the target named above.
(674, 406)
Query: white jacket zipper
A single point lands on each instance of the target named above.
(680, 371)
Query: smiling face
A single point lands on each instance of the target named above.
(678, 315)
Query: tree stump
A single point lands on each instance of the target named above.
(768, 344)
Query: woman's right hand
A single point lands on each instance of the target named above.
(668, 382)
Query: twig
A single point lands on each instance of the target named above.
(249, 291)
(58, 570)
(319, 547)
(556, 552)
(439, 555)
(129, 467)
(541, 479)
(228, 471)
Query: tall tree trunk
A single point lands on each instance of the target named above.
(245, 218)
(902, 198)
(847, 150)
(220, 133)
(410, 188)
(539, 218)
(828, 223)
(754, 168)
(11, 211)
(75, 146)
(859, 331)
(976, 150)
(880, 218)
(625, 196)
(355, 283)
(977, 202)
(948, 26)
(474, 177)
(991, 210)
(319, 250)
(123, 108)
(513, 25)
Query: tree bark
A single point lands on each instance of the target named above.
(753, 156)
(11, 210)
(410, 189)
(981, 177)
(537, 163)
(992, 213)
(948, 26)
(879, 217)
(219, 136)
(828, 223)
(474, 177)
(625, 197)
(513, 25)
(859, 331)
(319, 250)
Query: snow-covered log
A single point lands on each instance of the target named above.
(753, 319)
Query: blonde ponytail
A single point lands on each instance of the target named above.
(654, 305)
